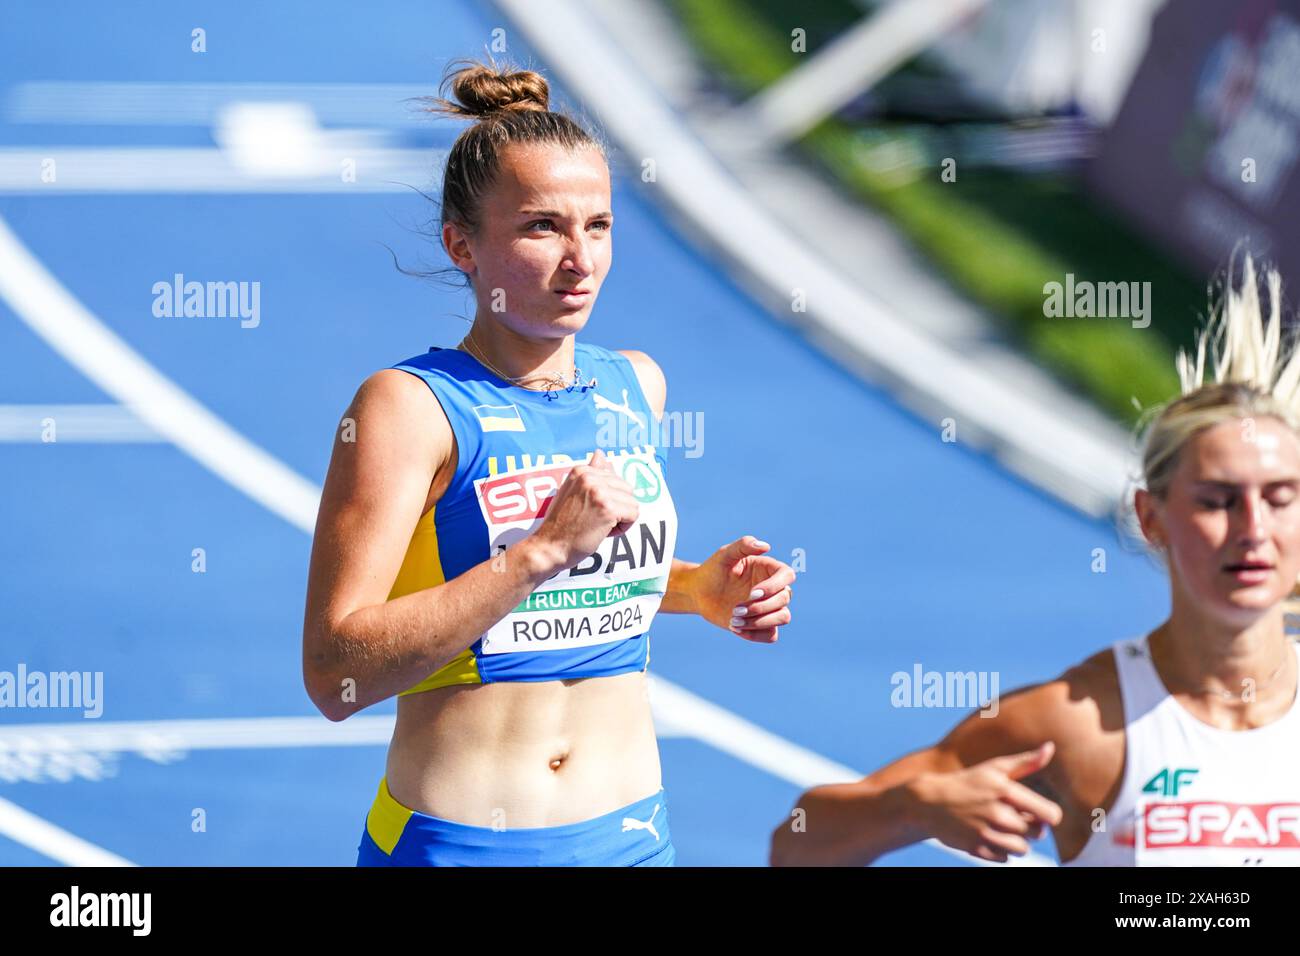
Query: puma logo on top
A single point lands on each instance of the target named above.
(625, 408)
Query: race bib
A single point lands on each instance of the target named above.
(611, 595)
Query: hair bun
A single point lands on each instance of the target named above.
(482, 91)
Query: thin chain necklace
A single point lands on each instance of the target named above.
(1229, 695)
(552, 382)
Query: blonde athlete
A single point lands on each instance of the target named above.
(1176, 747)
(494, 545)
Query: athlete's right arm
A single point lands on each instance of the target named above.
(374, 494)
(965, 791)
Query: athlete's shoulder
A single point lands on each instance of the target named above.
(393, 420)
(399, 396)
(638, 360)
(641, 362)
(1094, 675)
(1082, 701)
(448, 361)
(651, 377)
(411, 391)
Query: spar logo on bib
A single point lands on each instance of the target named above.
(521, 497)
(1209, 823)
(525, 497)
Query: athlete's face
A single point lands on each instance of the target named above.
(545, 230)
(1230, 522)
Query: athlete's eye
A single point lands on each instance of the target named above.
(540, 222)
(605, 224)
(1282, 497)
(1215, 503)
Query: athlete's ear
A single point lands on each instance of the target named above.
(1148, 512)
(456, 241)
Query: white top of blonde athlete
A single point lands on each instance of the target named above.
(1193, 794)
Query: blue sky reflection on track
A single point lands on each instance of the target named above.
(917, 551)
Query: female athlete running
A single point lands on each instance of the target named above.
(1174, 748)
(500, 532)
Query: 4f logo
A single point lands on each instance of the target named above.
(1169, 781)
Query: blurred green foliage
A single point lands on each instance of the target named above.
(999, 236)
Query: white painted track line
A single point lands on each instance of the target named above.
(56, 843)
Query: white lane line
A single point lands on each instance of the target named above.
(684, 714)
(38, 299)
(54, 314)
(677, 712)
(51, 841)
(148, 737)
(141, 169)
(98, 102)
(57, 424)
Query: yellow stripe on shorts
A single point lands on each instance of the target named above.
(386, 819)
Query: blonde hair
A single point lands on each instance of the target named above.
(1253, 371)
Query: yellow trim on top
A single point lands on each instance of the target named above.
(422, 568)
(386, 819)
(462, 669)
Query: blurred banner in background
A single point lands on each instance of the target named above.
(1029, 57)
(1203, 152)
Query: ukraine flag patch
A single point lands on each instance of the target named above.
(499, 418)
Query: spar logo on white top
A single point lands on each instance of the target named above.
(613, 593)
(1213, 832)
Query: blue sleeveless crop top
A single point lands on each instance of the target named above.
(514, 448)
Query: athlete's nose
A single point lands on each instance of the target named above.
(579, 259)
(1254, 517)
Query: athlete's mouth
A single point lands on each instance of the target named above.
(1248, 566)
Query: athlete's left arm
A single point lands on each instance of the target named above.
(739, 582)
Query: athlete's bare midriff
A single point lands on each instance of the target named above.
(525, 754)
(521, 753)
